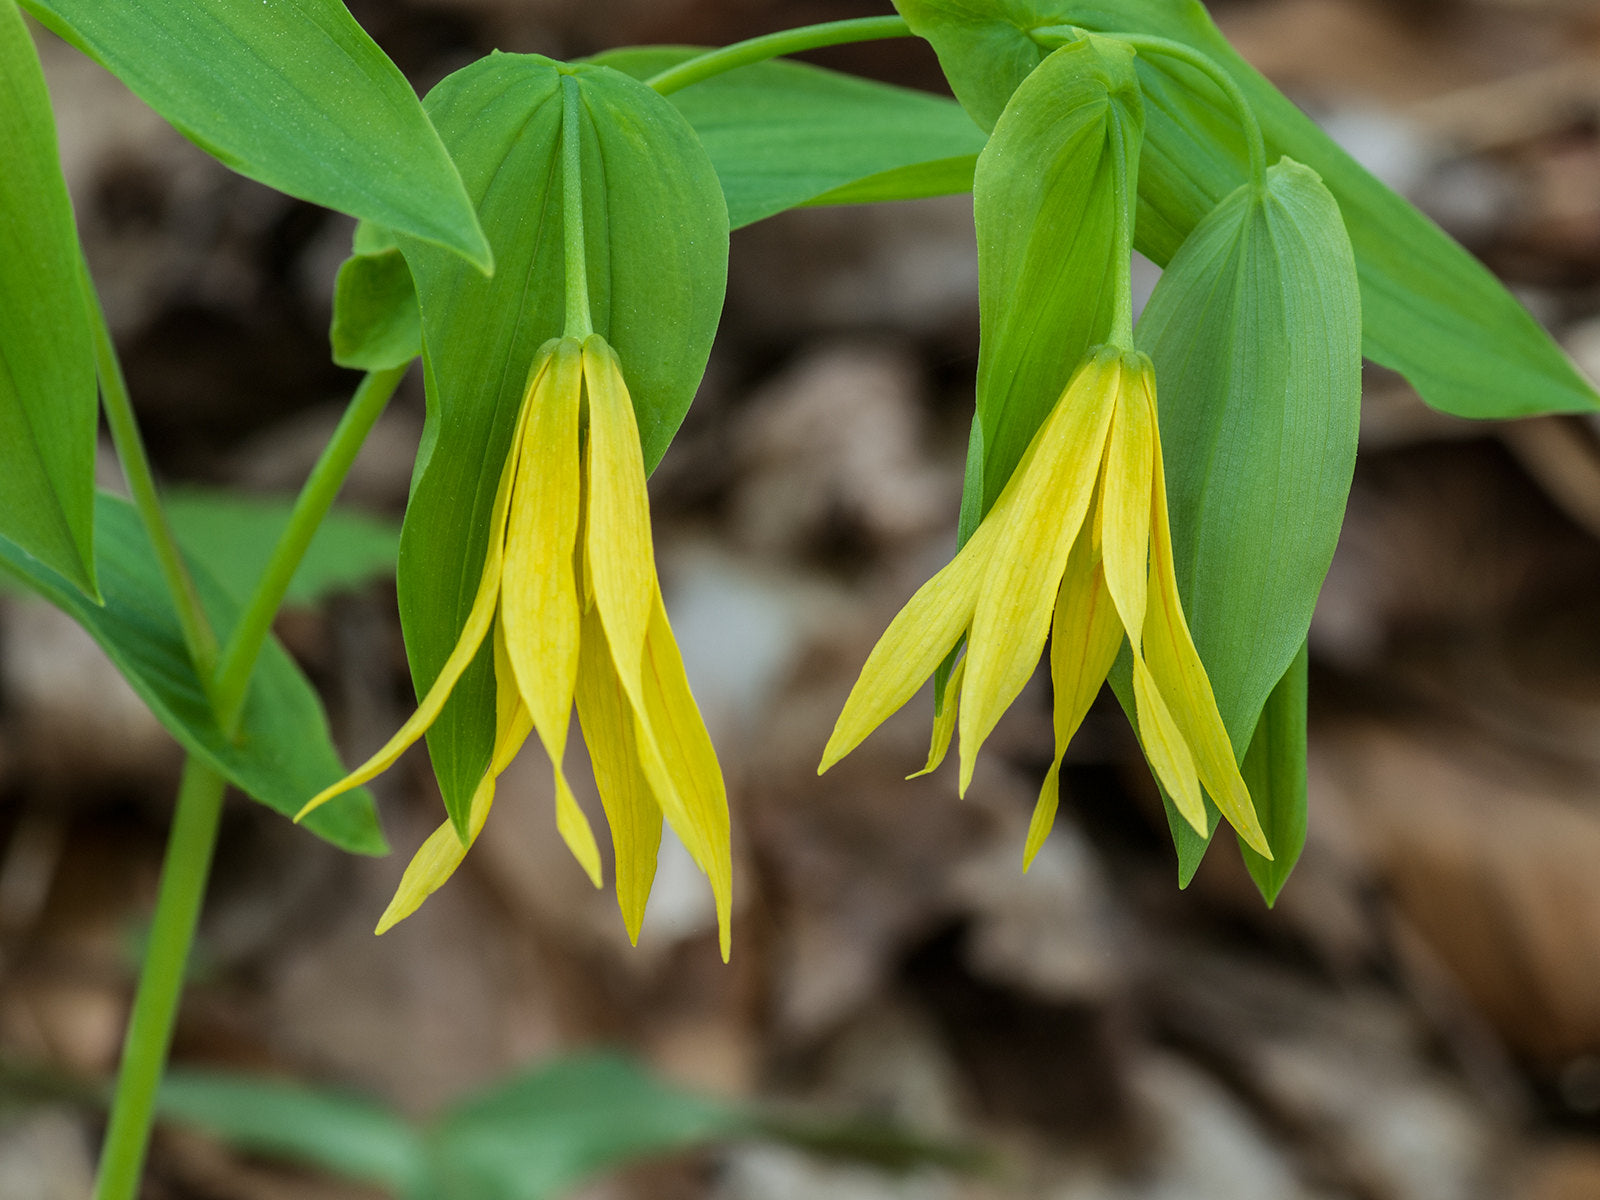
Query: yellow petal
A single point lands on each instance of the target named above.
(1085, 635)
(1165, 748)
(539, 611)
(944, 721)
(677, 757)
(512, 722)
(479, 619)
(442, 853)
(1036, 520)
(631, 809)
(437, 860)
(916, 642)
(1175, 667)
(1126, 496)
(618, 557)
(1044, 815)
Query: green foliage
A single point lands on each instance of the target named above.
(532, 1137)
(1431, 311)
(1275, 772)
(1045, 200)
(284, 754)
(376, 324)
(657, 243)
(47, 380)
(782, 134)
(234, 535)
(295, 95)
(1255, 332)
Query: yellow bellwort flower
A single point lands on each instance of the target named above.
(1078, 547)
(570, 596)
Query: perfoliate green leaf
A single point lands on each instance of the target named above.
(292, 93)
(1274, 770)
(350, 1136)
(1045, 202)
(1255, 332)
(1430, 310)
(657, 245)
(983, 47)
(781, 134)
(47, 376)
(283, 753)
(234, 535)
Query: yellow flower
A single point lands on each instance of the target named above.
(570, 596)
(1077, 546)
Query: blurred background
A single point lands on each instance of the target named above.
(1419, 1018)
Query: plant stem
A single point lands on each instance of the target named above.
(1255, 147)
(198, 635)
(310, 507)
(192, 841)
(579, 322)
(773, 45)
(183, 885)
(1125, 196)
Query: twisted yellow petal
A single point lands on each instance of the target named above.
(1036, 520)
(1126, 496)
(676, 756)
(476, 628)
(618, 553)
(1175, 668)
(1085, 635)
(916, 642)
(631, 810)
(539, 595)
(944, 721)
(444, 850)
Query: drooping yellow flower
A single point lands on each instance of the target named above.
(570, 596)
(1077, 547)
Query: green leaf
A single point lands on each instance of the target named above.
(1255, 332)
(1430, 310)
(781, 134)
(1275, 772)
(1045, 201)
(540, 1134)
(47, 378)
(283, 754)
(983, 47)
(940, 177)
(234, 535)
(293, 94)
(347, 1135)
(532, 1137)
(376, 324)
(657, 254)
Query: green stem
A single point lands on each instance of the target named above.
(192, 840)
(183, 886)
(1255, 146)
(774, 45)
(1122, 236)
(310, 507)
(579, 322)
(198, 635)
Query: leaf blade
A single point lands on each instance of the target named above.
(294, 95)
(47, 376)
(284, 752)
